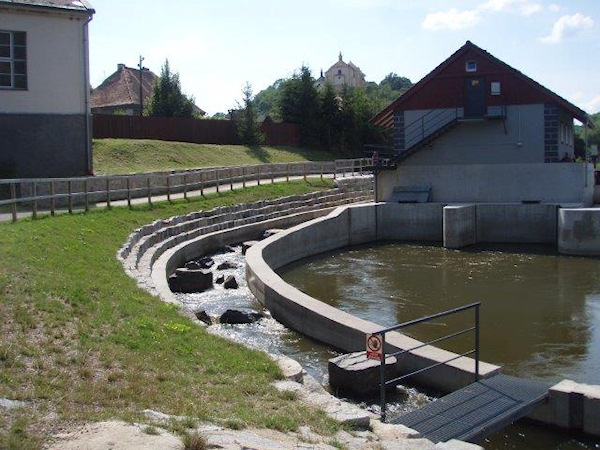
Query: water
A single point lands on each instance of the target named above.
(540, 311)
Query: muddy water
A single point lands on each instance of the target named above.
(540, 314)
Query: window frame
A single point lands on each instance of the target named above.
(471, 66)
(13, 61)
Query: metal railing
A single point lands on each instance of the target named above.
(395, 381)
(53, 194)
(426, 125)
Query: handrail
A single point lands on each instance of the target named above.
(428, 125)
(107, 188)
(384, 383)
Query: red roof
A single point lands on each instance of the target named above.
(122, 88)
(385, 118)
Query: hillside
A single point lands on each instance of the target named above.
(120, 156)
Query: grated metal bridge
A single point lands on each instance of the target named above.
(477, 410)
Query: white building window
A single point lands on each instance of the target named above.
(471, 66)
(13, 60)
(495, 88)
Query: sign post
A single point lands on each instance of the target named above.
(374, 346)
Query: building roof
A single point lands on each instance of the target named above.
(70, 5)
(385, 117)
(122, 89)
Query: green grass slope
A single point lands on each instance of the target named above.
(81, 341)
(120, 156)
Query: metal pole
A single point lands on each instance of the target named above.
(34, 211)
(13, 198)
(52, 200)
(477, 342)
(141, 84)
(382, 379)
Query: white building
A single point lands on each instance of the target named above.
(341, 74)
(44, 88)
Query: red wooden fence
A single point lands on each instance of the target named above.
(205, 131)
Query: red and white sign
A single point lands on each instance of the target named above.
(374, 346)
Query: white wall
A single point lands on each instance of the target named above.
(55, 63)
(495, 183)
(518, 139)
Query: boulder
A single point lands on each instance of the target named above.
(233, 316)
(220, 279)
(206, 262)
(226, 265)
(246, 245)
(192, 265)
(190, 281)
(230, 282)
(353, 374)
(202, 316)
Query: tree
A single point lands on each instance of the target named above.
(167, 100)
(330, 115)
(396, 82)
(299, 103)
(247, 120)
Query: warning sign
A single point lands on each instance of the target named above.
(374, 344)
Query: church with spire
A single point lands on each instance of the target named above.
(340, 74)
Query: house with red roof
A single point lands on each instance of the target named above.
(45, 128)
(477, 130)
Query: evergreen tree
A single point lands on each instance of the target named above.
(167, 99)
(299, 103)
(330, 115)
(247, 120)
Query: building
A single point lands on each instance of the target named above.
(341, 74)
(44, 88)
(476, 129)
(120, 92)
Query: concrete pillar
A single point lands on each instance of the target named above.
(460, 225)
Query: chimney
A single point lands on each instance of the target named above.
(120, 67)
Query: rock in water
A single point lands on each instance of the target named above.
(220, 279)
(233, 316)
(230, 282)
(226, 265)
(189, 280)
(356, 375)
(246, 245)
(202, 316)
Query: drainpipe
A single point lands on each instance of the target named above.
(86, 95)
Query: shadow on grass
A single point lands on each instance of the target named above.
(259, 153)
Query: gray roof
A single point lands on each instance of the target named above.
(70, 5)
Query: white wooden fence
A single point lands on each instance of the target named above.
(51, 194)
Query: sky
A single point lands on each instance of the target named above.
(217, 46)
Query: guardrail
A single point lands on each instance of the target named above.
(83, 192)
(395, 381)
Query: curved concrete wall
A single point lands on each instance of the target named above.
(349, 226)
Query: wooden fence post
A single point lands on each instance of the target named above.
(185, 185)
(169, 188)
(244, 177)
(13, 205)
(287, 171)
(85, 194)
(202, 182)
(304, 167)
(322, 168)
(231, 179)
(52, 199)
(258, 172)
(272, 176)
(70, 198)
(129, 191)
(108, 192)
(34, 191)
(217, 180)
(149, 191)
(334, 169)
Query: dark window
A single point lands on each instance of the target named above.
(13, 60)
(471, 66)
(339, 71)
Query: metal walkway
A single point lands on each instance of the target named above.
(477, 410)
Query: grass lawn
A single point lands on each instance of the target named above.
(119, 156)
(81, 342)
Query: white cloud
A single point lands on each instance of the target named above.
(554, 7)
(524, 7)
(451, 20)
(568, 27)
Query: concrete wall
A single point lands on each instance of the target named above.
(460, 226)
(579, 231)
(516, 223)
(345, 226)
(495, 183)
(42, 145)
(518, 139)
